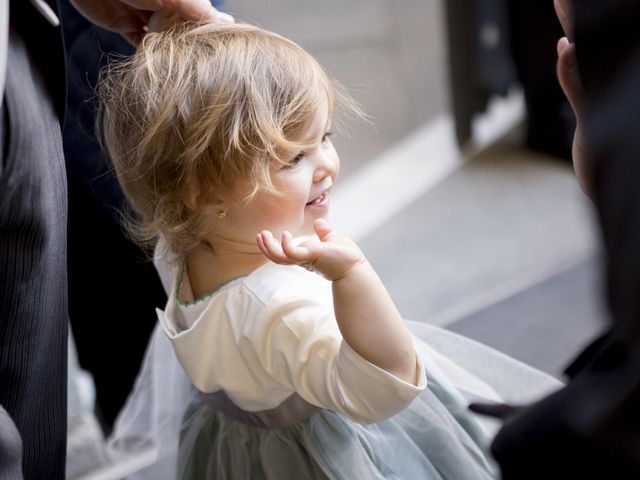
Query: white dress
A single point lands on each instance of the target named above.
(267, 346)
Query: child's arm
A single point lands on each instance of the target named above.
(367, 318)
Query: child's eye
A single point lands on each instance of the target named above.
(295, 161)
(325, 137)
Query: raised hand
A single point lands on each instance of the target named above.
(365, 314)
(331, 255)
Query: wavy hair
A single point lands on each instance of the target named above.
(199, 106)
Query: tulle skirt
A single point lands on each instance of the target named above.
(436, 437)
(425, 441)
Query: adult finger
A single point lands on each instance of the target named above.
(564, 11)
(502, 411)
(569, 75)
(195, 10)
(134, 38)
(133, 27)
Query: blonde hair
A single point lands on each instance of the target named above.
(198, 107)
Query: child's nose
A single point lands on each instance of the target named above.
(326, 168)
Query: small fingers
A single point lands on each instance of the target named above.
(296, 253)
(271, 248)
(302, 255)
(322, 228)
(261, 245)
(283, 252)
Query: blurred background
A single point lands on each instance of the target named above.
(459, 190)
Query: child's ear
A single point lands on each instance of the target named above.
(196, 199)
(191, 201)
(207, 207)
(191, 194)
(215, 206)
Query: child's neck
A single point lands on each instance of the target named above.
(207, 270)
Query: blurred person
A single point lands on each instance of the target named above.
(297, 363)
(533, 33)
(590, 428)
(33, 222)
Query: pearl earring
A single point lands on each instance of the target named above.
(222, 214)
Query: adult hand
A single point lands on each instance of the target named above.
(131, 18)
(569, 78)
(567, 68)
(501, 411)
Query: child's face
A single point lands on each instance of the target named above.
(304, 183)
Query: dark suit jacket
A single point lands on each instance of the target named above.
(33, 269)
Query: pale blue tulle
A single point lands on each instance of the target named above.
(434, 438)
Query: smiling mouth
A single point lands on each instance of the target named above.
(320, 200)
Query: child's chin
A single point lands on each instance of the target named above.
(303, 231)
(305, 228)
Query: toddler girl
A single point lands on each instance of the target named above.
(300, 364)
